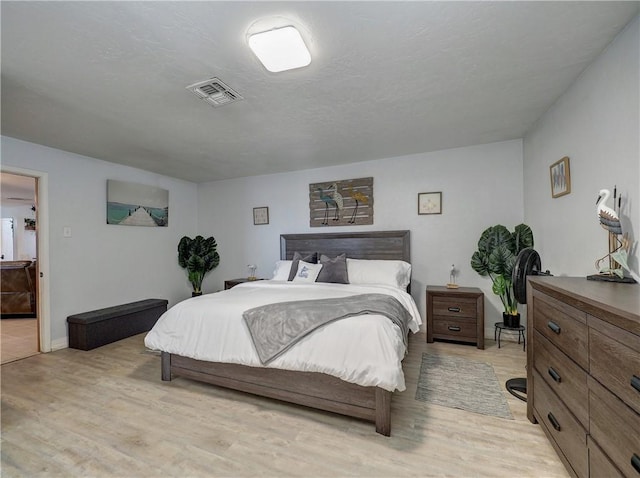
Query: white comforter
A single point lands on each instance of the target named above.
(366, 350)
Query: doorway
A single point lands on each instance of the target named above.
(20, 324)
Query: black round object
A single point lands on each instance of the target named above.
(527, 263)
(517, 387)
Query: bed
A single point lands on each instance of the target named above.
(320, 389)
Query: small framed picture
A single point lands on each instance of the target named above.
(29, 224)
(430, 203)
(560, 178)
(260, 215)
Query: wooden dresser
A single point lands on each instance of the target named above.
(583, 372)
(455, 314)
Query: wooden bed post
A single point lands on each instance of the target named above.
(165, 358)
(383, 411)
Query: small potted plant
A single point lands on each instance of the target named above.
(497, 251)
(198, 256)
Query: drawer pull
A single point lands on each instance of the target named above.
(454, 328)
(453, 309)
(635, 382)
(554, 375)
(553, 421)
(553, 326)
(635, 462)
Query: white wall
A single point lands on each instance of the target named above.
(481, 186)
(104, 265)
(24, 241)
(595, 123)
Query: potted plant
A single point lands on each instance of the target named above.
(496, 256)
(198, 256)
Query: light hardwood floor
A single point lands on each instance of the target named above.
(105, 412)
(18, 338)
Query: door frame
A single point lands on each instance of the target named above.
(42, 247)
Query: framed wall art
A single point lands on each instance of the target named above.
(430, 203)
(260, 215)
(131, 204)
(29, 224)
(345, 202)
(560, 178)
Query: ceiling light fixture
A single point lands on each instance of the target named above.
(280, 49)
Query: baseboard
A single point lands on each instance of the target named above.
(60, 344)
(18, 316)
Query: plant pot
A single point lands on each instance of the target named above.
(196, 294)
(511, 321)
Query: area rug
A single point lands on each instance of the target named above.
(461, 383)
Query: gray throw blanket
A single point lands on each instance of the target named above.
(276, 327)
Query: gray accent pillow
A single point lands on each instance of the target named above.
(333, 270)
(297, 257)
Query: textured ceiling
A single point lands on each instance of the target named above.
(107, 79)
(17, 190)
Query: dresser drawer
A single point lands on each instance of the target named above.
(563, 376)
(564, 326)
(454, 307)
(615, 428)
(599, 465)
(616, 365)
(455, 329)
(561, 426)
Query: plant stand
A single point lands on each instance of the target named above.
(499, 327)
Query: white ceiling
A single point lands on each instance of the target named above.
(107, 79)
(16, 190)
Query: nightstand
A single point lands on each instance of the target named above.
(455, 314)
(228, 284)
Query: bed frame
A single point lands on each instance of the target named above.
(315, 390)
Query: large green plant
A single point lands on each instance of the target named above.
(198, 256)
(496, 256)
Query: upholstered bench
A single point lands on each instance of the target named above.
(103, 326)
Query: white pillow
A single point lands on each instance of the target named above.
(307, 272)
(386, 272)
(281, 272)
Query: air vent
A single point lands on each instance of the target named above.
(214, 92)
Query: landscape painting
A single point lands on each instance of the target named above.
(131, 204)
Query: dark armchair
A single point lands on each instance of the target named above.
(18, 284)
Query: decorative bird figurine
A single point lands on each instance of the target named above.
(358, 197)
(609, 219)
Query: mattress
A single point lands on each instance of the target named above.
(366, 349)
